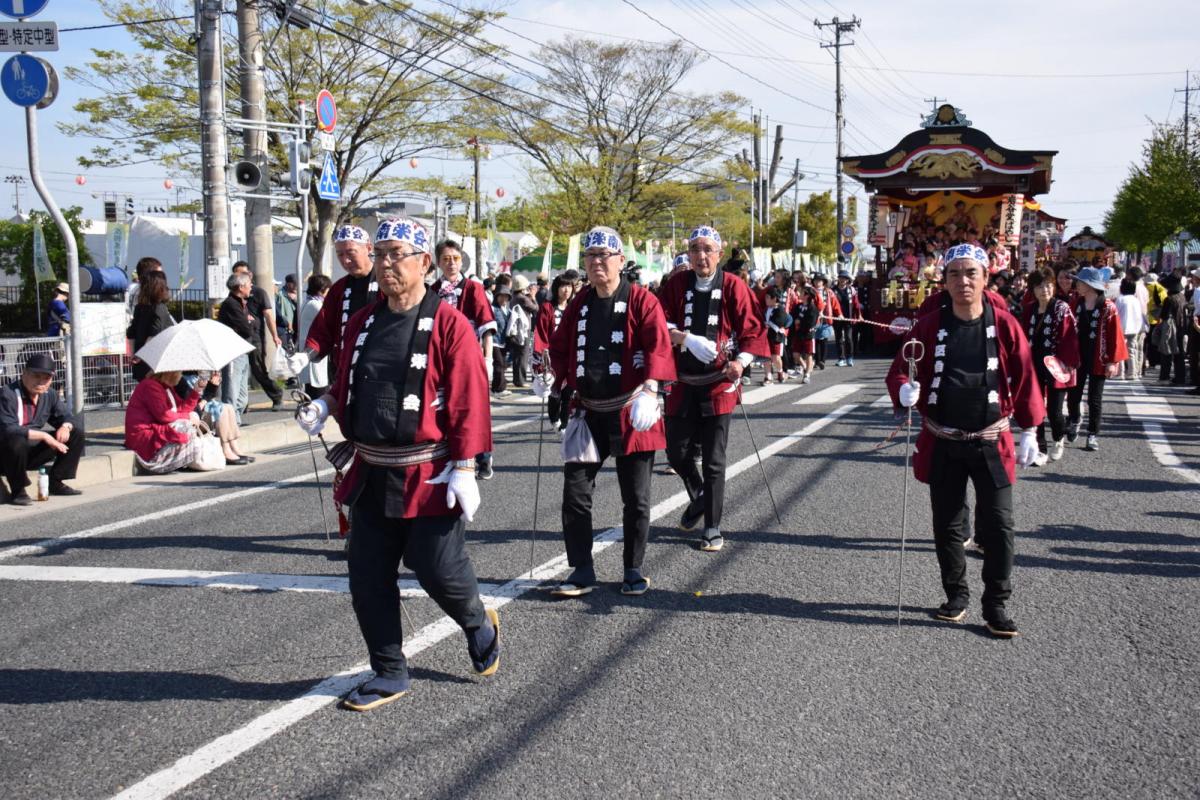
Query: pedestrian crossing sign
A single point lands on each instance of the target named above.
(328, 187)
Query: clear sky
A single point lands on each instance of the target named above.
(1083, 78)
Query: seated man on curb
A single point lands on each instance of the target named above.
(26, 405)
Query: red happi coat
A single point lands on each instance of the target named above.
(645, 332)
(325, 333)
(1020, 397)
(933, 301)
(1110, 339)
(828, 307)
(454, 408)
(1064, 336)
(545, 327)
(472, 304)
(740, 321)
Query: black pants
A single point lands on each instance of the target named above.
(953, 464)
(19, 455)
(1054, 412)
(711, 434)
(865, 336)
(1193, 354)
(844, 331)
(559, 408)
(819, 355)
(499, 379)
(579, 483)
(1095, 395)
(258, 368)
(433, 548)
(520, 363)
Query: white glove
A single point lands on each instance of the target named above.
(705, 350)
(644, 412)
(909, 393)
(461, 489)
(1027, 450)
(297, 363)
(541, 386)
(311, 417)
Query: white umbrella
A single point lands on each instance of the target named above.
(193, 345)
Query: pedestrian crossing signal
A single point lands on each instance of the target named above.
(300, 166)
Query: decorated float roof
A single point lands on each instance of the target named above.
(947, 154)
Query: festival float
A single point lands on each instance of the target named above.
(945, 183)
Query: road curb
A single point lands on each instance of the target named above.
(119, 464)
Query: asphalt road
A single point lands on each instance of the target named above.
(192, 636)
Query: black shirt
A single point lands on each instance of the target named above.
(962, 395)
(257, 304)
(380, 375)
(700, 302)
(233, 313)
(359, 296)
(597, 383)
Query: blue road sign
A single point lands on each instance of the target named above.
(18, 9)
(847, 247)
(25, 80)
(328, 188)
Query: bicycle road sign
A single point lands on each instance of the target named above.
(24, 79)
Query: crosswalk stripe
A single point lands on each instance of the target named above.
(765, 393)
(829, 395)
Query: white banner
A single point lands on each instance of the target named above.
(42, 271)
(1010, 220)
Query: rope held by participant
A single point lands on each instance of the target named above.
(914, 351)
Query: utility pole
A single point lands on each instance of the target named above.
(213, 156)
(839, 28)
(1187, 112)
(475, 216)
(796, 207)
(17, 181)
(756, 200)
(254, 144)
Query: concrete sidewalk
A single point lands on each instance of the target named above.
(106, 458)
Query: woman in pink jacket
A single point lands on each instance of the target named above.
(159, 427)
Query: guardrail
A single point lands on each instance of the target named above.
(107, 380)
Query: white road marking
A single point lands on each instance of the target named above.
(221, 751)
(504, 426)
(40, 547)
(830, 395)
(238, 581)
(1152, 412)
(765, 393)
(883, 402)
(222, 499)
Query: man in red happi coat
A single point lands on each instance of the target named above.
(612, 348)
(468, 298)
(714, 324)
(975, 373)
(411, 398)
(347, 295)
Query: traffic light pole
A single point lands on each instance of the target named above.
(213, 155)
(254, 143)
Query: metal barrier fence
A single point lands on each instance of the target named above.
(107, 380)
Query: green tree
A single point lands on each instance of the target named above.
(16, 258)
(818, 216)
(389, 68)
(1160, 197)
(610, 138)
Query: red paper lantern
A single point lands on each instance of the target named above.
(412, 162)
(168, 184)
(80, 180)
(500, 192)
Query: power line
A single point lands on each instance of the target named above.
(129, 24)
(726, 63)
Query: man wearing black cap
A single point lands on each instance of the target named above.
(26, 406)
(847, 297)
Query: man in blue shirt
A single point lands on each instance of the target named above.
(59, 313)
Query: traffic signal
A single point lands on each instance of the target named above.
(300, 166)
(129, 210)
(110, 210)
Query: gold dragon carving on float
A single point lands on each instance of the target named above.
(945, 165)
